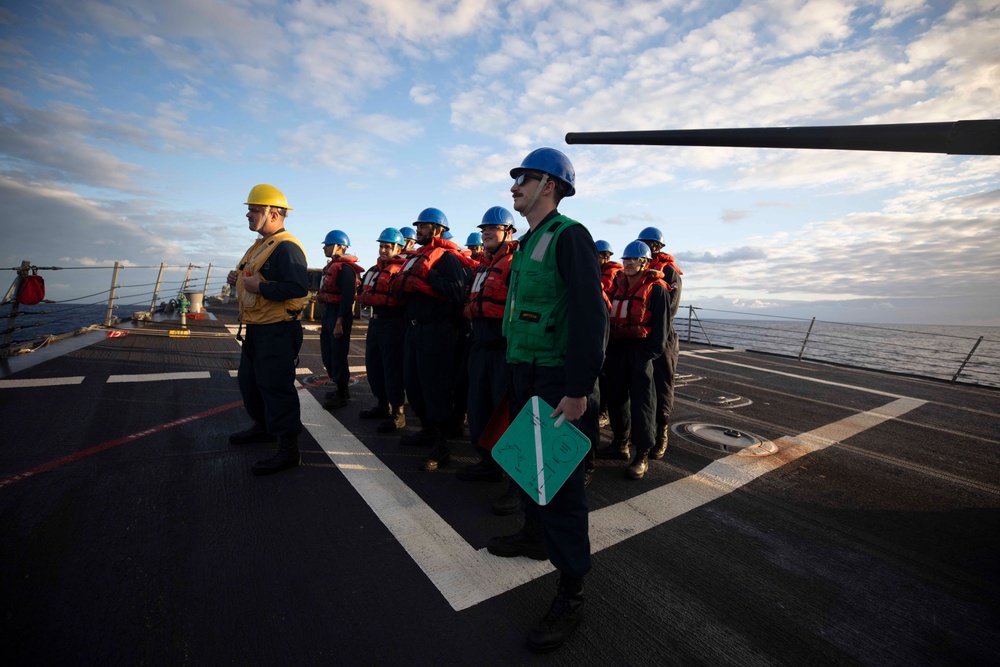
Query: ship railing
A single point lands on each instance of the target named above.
(971, 359)
(62, 315)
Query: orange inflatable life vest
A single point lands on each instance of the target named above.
(608, 273)
(375, 284)
(631, 316)
(413, 276)
(488, 292)
(329, 289)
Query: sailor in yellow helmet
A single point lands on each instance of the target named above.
(272, 286)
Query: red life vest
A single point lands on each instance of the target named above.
(662, 259)
(413, 276)
(608, 273)
(329, 289)
(375, 283)
(631, 316)
(488, 291)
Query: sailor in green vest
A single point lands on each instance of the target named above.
(272, 285)
(556, 326)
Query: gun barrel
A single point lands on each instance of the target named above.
(962, 137)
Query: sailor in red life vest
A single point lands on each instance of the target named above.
(409, 241)
(433, 282)
(609, 269)
(336, 292)
(639, 324)
(665, 367)
(384, 343)
(474, 247)
(489, 375)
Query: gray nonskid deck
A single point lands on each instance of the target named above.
(133, 533)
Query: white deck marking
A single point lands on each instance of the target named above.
(466, 577)
(792, 375)
(156, 377)
(613, 524)
(40, 382)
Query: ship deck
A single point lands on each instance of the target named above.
(865, 529)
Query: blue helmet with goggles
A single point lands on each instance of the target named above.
(552, 162)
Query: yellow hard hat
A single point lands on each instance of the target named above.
(267, 195)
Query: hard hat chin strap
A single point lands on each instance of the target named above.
(534, 196)
(267, 212)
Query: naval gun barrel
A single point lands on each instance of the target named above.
(962, 137)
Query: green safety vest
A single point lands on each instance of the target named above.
(535, 319)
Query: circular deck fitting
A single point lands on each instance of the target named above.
(724, 439)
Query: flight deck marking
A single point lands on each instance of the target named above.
(40, 382)
(156, 377)
(793, 375)
(466, 577)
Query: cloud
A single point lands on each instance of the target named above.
(423, 95)
(731, 215)
(736, 255)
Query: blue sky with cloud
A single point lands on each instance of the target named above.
(132, 130)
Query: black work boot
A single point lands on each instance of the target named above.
(509, 502)
(526, 542)
(485, 470)
(440, 453)
(256, 433)
(658, 450)
(286, 457)
(639, 465)
(564, 615)
(427, 435)
(618, 450)
(339, 399)
(380, 411)
(396, 420)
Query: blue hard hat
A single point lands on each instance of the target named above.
(390, 235)
(434, 216)
(636, 249)
(651, 234)
(408, 232)
(603, 246)
(498, 215)
(551, 162)
(337, 237)
(447, 235)
(475, 238)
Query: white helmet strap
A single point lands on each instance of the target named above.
(534, 196)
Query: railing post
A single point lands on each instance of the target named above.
(187, 278)
(156, 290)
(12, 293)
(690, 315)
(802, 351)
(208, 274)
(969, 356)
(111, 296)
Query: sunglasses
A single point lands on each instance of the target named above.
(526, 176)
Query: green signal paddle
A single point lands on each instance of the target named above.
(540, 452)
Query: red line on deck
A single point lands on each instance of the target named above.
(51, 465)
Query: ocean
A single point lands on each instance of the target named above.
(934, 351)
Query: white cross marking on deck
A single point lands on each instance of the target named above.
(156, 377)
(40, 382)
(466, 577)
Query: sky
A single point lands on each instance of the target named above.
(133, 130)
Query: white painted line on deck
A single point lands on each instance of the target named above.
(466, 577)
(793, 375)
(157, 377)
(40, 382)
(613, 524)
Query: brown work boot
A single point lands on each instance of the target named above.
(256, 433)
(660, 448)
(618, 450)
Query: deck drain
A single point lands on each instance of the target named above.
(724, 439)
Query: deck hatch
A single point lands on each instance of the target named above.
(724, 439)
